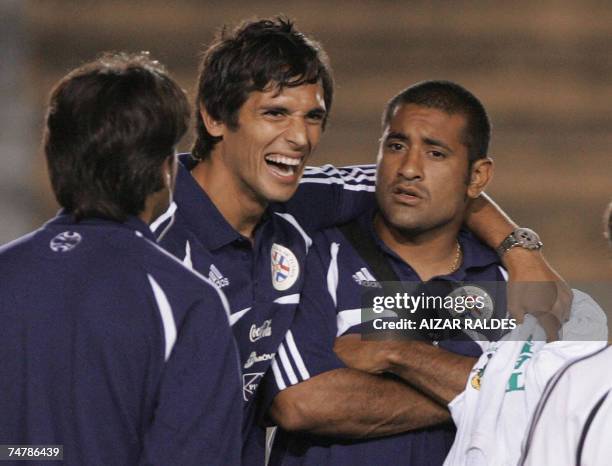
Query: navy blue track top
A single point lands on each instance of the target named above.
(112, 348)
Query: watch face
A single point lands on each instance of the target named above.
(527, 238)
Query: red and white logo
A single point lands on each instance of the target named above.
(285, 267)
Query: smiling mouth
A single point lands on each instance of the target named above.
(283, 165)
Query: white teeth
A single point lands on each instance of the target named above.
(291, 161)
(283, 170)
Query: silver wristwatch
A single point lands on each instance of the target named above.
(523, 237)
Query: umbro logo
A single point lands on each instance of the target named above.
(364, 278)
(217, 277)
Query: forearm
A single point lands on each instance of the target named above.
(488, 221)
(439, 374)
(353, 404)
(492, 225)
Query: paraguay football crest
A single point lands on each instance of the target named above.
(285, 267)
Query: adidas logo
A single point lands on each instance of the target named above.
(217, 277)
(365, 278)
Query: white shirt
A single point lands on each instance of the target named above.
(573, 422)
(505, 384)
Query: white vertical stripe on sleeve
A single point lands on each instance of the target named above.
(280, 383)
(282, 353)
(297, 358)
(165, 311)
(504, 272)
(332, 272)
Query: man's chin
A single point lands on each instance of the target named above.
(280, 194)
(408, 226)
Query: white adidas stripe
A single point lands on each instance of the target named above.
(348, 187)
(282, 353)
(297, 358)
(280, 383)
(167, 317)
(332, 273)
(368, 168)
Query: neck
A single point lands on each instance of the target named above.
(240, 207)
(430, 253)
(155, 205)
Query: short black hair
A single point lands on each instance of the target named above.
(254, 56)
(110, 126)
(451, 98)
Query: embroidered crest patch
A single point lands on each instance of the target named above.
(285, 267)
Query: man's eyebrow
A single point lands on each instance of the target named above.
(396, 135)
(274, 108)
(436, 142)
(317, 111)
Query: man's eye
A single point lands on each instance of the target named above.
(273, 113)
(316, 117)
(437, 154)
(395, 146)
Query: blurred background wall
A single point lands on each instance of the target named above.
(543, 71)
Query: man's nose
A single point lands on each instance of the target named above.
(411, 166)
(297, 133)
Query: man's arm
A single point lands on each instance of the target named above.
(328, 195)
(352, 404)
(535, 287)
(437, 373)
(309, 389)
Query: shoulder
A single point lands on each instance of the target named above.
(287, 223)
(18, 246)
(360, 177)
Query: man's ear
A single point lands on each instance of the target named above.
(214, 127)
(169, 168)
(480, 176)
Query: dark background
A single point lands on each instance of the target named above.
(542, 69)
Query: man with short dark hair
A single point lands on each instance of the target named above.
(110, 347)
(264, 94)
(244, 214)
(432, 162)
